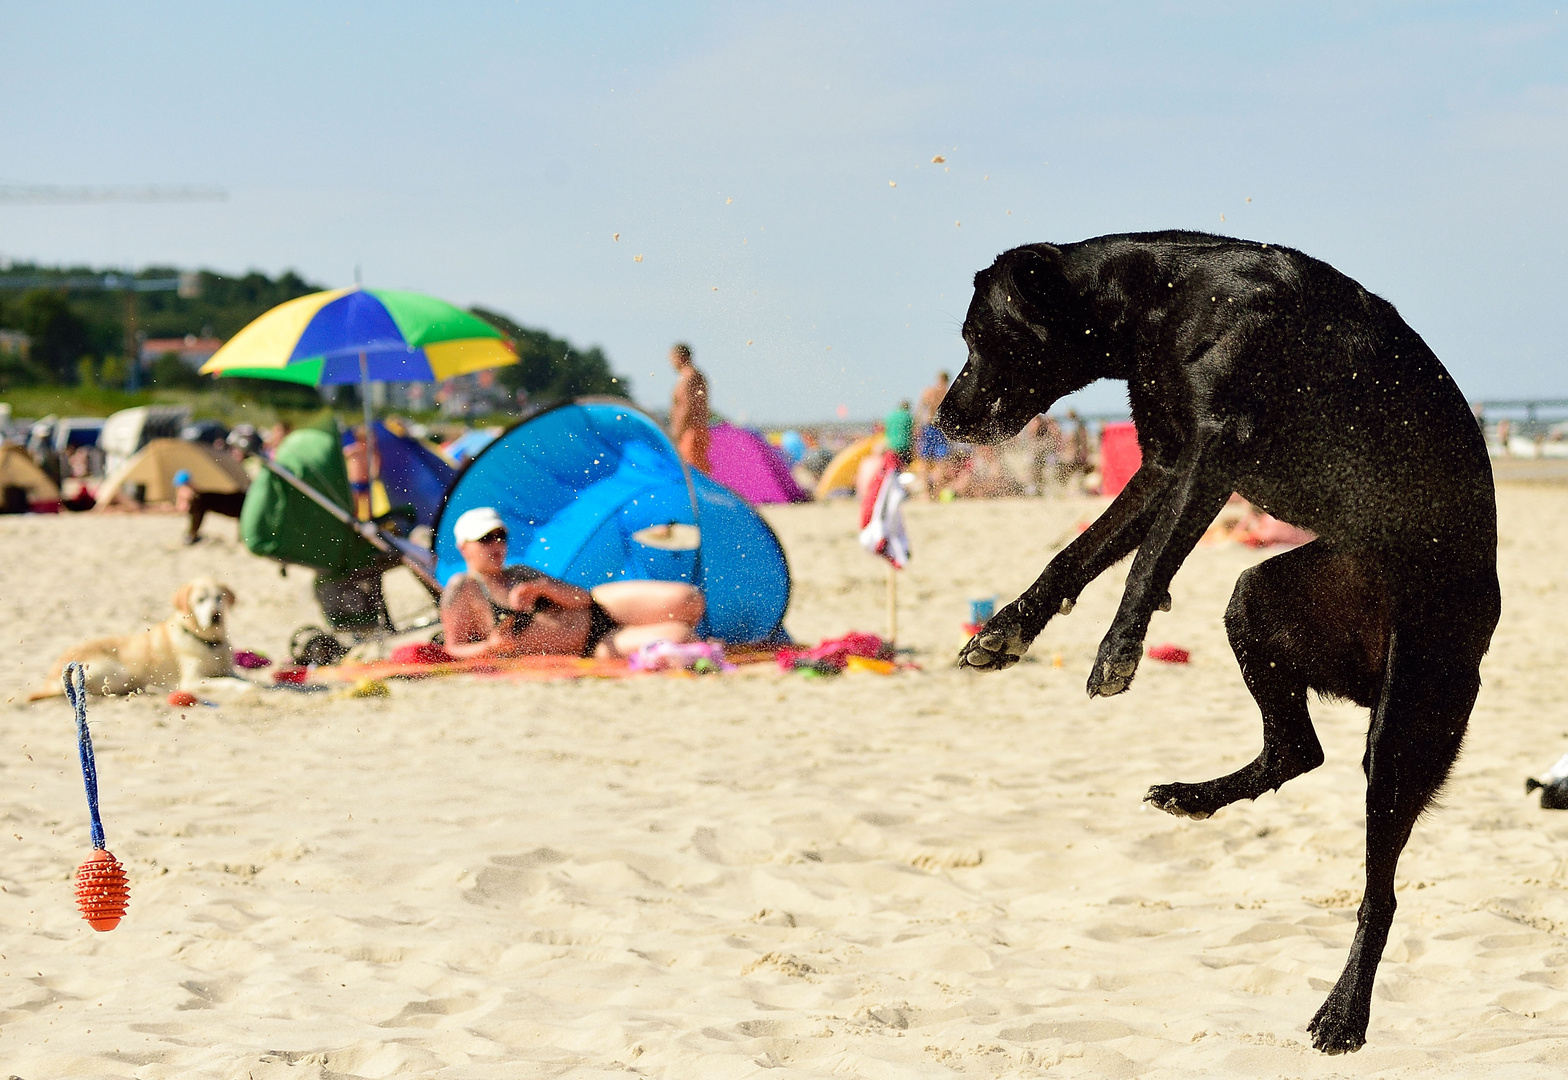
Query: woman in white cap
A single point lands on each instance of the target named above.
(492, 609)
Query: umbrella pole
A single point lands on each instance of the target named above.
(892, 603)
(370, 433)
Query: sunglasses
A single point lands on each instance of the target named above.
(494, 536)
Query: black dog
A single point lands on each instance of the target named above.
(1257, 369)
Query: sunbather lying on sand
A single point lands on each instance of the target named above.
(492, 609)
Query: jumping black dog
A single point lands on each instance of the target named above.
(1257, 369)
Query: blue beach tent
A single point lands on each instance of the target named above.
(589, 492)
(412, 473)
(467, 445)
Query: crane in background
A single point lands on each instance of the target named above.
(60, 194)
(187, 285)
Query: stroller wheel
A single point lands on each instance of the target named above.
(312, 646)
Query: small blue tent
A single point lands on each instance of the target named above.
(467, 445)
(412, 473)
(586, 490)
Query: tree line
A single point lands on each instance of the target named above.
(77, 335)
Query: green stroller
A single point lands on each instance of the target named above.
(297, 512)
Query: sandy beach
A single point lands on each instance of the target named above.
(925, 875)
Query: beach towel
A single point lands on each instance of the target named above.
(882, 514)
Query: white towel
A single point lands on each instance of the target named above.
(882, 531)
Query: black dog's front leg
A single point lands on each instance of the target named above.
(1198, 490)
(1008, 634)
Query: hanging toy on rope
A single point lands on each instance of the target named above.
(102, 891)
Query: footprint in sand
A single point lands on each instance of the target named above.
(511, 879)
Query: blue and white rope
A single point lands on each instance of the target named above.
(75, 680)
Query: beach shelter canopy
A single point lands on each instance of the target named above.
(411, 473)
(318, 340)
(593, 492)
(842, 470)
(469, 443)
(794, 446)
(746, 463)
(1120, 456)
(17, 470)
(156, 463)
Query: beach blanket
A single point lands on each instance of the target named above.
(513, 669)
(430, 661)
(425, 661)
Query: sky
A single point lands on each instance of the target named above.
(758, 179)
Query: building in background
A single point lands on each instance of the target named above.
(193, 351)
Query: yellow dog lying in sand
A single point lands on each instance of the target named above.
(187, 651)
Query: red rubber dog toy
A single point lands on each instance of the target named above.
(102, 891)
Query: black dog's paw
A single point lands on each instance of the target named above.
(1339, 1027)
(1180, 800)
(1114, 667)
(999, 644)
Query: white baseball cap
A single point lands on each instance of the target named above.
(477, 523)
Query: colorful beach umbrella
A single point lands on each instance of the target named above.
(361, 335)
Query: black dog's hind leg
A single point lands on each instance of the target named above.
(1312, 618)
(1007, 635)
(1430, 686)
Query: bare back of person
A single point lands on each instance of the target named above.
(689, 404)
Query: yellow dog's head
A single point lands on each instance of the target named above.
(204, 606)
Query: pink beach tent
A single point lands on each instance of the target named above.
(746, 463)
(1120, 456)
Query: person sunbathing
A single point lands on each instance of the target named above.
(491, 609)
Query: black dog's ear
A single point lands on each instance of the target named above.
(1026, 279)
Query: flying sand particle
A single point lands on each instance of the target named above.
(939, 159)
(616, 237)
(636, 258)
(892, 183)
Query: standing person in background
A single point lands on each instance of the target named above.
(898, 432)
(1076, 460)
(689, 409)
(930, 444)
(356, 458)
(1043, 437)
(274, 438)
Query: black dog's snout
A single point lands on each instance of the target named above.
(955, 411)
(972, 412)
